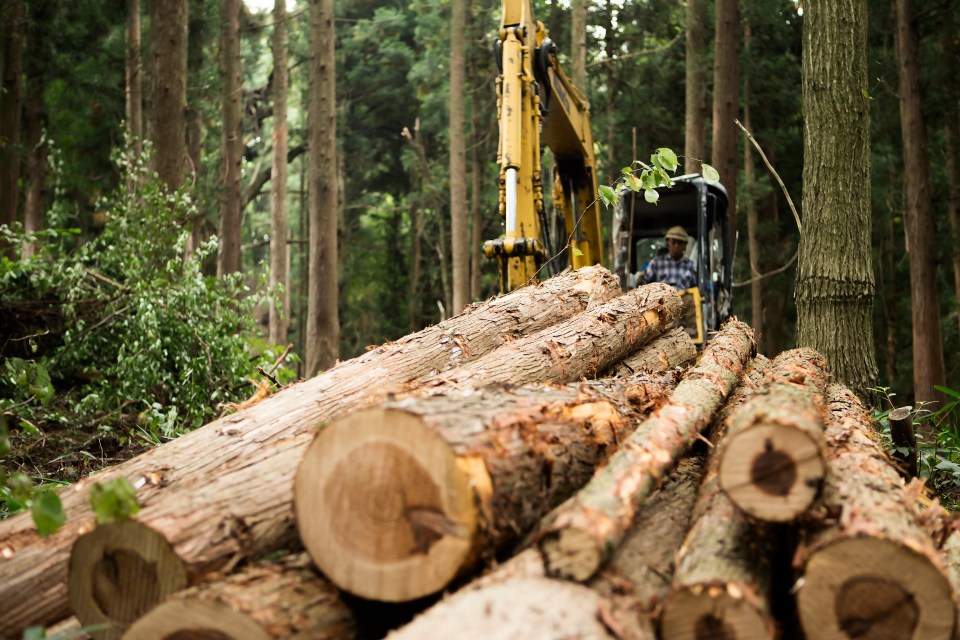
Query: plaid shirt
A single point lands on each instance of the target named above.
(678, 273)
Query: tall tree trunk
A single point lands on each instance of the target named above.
(323, 324)
(35, 120)
(928, 364)
(195, 41)
(753, 244)
(11, 48)
(835, 286)
(953, 201)
(696, 86)
(231, 140)
(578, 44)
(134, 79)
(458, 160)
(476, 219)
(278, 181)
(168, 39)
(726, 101)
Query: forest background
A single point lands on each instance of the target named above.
(134, 135)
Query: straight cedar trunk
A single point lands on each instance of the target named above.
(869, 569)
(134, 79)
(696, 87)
(168, 42)
(584, 531)
(459, 252)
(928, 363)
(231, 139)
(726, 101)
(835, 286)
(771, 464)
(279, 311)
(396, 501)
(33, 574)
(323, 320)
(34, 122)
(286, 599)
(198, 26)
(953, 203)
(11, 47)
(512, 600)
(721, 584)
(753, 222)
(673, 349)
(578, 35)
(476, 219)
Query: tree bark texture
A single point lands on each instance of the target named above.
(578, 44)
(323, 320)
(726, 101)
(580, 346)
(584, 531)
(869, 568)
(35, 120)
(134, 79)
(772, 461)
(835, 287)
(396, 501)
(459, 250)
(33, 573)
(951, 142)
(624, 596)
(279, 311)
(231, 140)
(265, 601)
(694, 147)
(168, 42)
(11, 98)
(673, 349)
(722, 580)
(196, 40)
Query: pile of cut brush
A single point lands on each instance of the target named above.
(553, 463)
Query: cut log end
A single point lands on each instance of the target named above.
(195, 620)
(874, 589)
(708, 612)
(383, 506)
(570, 554)
(120, 571)
(772, 472)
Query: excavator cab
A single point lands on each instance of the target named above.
(701, 209)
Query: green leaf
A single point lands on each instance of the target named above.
(608, 195)
(627, 171)
(668, 159)
(34, 633)
(651, 196)
(632, 182)
(947, 390)
(113, 500)
(711, 175)
(47, 513)
(577, 252)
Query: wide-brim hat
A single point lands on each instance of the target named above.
(677, 233)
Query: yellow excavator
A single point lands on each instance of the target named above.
(536, 104)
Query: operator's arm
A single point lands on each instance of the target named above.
(650, 273)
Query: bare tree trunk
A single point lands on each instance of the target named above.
(753, 244)
(476, 219)
(835, 285)
(696, 86)
(231, 140)
(726, 101)
(168, 39)
(11, 48)
(953, 200)
(928, 364)
(279, 310)
(578, 44)
(134, 79)
(195, 41)
(323, 323)
(35, 120)
(460, 255)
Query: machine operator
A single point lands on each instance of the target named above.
(673, 267)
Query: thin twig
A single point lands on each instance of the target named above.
(634, 54)
(761, 276)
(776, 175)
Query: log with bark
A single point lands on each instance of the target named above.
(673, 349)
(223, 493)
(723, 577)
(869, 568)
(772, 461)
(519, 600)
(395, 501)
(586, 529)
(286, 599)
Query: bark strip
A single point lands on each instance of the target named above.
(869, 567)
(772, 462)
(222, 465)
(395, 501)
(586, 529)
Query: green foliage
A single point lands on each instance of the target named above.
(663, 164)
(113, 500)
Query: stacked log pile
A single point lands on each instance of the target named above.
(558, 462)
